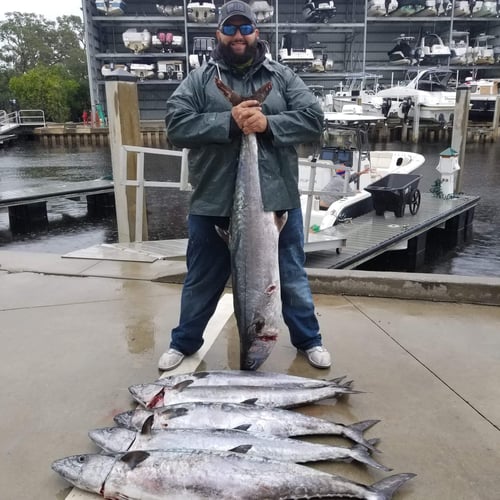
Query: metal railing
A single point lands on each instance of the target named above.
(15, 119)
(140, 183)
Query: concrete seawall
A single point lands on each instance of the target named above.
(414, 286)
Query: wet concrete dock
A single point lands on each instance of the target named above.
(77, 332)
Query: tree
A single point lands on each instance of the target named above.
(29, 44)
(46, 88)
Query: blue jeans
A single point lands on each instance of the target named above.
(209, 267)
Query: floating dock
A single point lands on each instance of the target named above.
(445, 222)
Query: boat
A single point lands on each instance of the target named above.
(262, 10)
(461, 50)
(201, 12)
(111, 7)
(431, 50)
(483, 98)
(346, 143)
(403, 53)
(379, 8)
(482, 51)
(137, 41)
(295, 52)
(168, 9)
(356, 88)
(429, 88)
(318, 11)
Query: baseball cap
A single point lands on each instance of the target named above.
(236, 8)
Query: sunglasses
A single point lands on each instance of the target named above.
(231, 29)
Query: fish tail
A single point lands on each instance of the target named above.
(384, 489)
(355, 432)
(362, 454)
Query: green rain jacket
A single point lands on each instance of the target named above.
(199, 118)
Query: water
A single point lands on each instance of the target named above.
(29, 164)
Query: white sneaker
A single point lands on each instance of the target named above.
(170, 359)
(318, 357)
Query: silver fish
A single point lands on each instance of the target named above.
(253, 243)
(289, 396)
(118, 439)
(202, 474)
(252, 418)
(243, 377)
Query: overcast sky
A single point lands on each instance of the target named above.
(48, 8)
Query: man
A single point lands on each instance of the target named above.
(200, 117)
(337, 187)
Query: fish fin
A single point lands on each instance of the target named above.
(228, 92)
(242, 427)
(223, 233)
(362, 454)
(374, 442)
(337, 380)
(147, 426)
(134, 458)
(386, 487)
(364, 425)
(261, 93)
(280, 220)
(242, 448)
(250, 401)
(174, 412)
(200, 375)
(355, 432)
(182, 385)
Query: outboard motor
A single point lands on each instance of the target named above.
(386, 106)
(405, 106)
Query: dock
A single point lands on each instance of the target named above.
(28, 206)
(438, 220)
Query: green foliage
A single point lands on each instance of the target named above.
(43, 64)
(46, 88)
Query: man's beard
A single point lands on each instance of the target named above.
(235, 59)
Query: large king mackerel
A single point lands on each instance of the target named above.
(253, 243)
(120, 440)
(252, 418)
(201, 474)
(243, 377)
(283, 396)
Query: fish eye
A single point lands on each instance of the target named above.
(82, 459)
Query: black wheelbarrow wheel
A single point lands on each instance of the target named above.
(415, 201)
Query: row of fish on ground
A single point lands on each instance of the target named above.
(226, 435)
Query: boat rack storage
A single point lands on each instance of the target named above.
(156, 41)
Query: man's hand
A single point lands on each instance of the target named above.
(249, 117)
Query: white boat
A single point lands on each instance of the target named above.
(356, 88)
(110, 7)
(461, 50)
(429, 89)
(483, 98)
(346, 144)
(201, 12)
(432, 50)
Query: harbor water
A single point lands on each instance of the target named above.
(27, 164)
